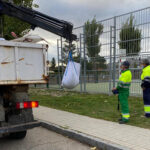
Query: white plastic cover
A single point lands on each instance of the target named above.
(71, 76)
(30, 38)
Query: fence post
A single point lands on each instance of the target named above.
(84, 59)
(2, 26)
(62, 66)
(81, 62)
(47, 85)
(114, 58)
(58, 62)
(110, 64)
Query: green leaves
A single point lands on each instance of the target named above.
(130, 37)
(15, 25)
(53, 63)
(93, 30)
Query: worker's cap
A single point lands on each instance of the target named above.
(145, 61)
(126, 64)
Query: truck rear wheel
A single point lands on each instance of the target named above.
(18, 135)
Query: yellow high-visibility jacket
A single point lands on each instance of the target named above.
(124, 80)
(145, 72)
(145, 77)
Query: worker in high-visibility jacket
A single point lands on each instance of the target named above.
(123, 91)
(145, 77)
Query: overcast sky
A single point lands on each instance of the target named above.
(79, 11)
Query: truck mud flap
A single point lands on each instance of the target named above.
(20, 127)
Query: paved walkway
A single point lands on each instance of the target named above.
(129, 136)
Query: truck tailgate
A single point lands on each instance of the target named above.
(22, 63)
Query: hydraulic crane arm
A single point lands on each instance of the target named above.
(37, 19)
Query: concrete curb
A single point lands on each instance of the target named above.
(83, 138)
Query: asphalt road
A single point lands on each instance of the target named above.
(42, 139)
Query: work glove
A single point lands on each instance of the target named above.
(115, 91)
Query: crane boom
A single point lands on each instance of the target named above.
(36, 19)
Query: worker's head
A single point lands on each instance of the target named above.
(145, 62)
(125, 65)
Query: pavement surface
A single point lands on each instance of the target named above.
(133, 138)
(42, 139)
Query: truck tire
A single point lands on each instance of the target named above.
(18, 135)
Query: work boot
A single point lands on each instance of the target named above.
(122, 121)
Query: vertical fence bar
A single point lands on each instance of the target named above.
(81, 63)
(62, 67)
(114, 58)
(58, 62)
(84, 60)
(110, 64)
(1, 26)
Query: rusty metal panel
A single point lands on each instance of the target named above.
(7, 63)
(22, 63)
(30, 64)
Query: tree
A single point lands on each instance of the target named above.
(53, 63)
(130, 37)
(15, 25)
(93, 30)
(65, 52)
(101, 63)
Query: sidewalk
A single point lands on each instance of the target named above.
(133, 138)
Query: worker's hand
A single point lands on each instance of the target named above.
(114, 89)
(143, 88)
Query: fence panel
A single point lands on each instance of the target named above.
(100, 53)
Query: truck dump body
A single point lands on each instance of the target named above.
(22, 63)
